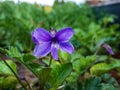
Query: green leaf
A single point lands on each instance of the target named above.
(13, 52)
(4, 70)
(79, 66)
(107, 78)
(92, 84)
(68, 87)
(11, 82)
(63, 56)
(28, 61)
(7, 79)
(59, 73)
(72, 77)
(44, 75)
(28, 58)
(79, 85)
(4, 51)
(34, 67)
(102, 68)
(115, 64)
(84, 62)
(108, 87)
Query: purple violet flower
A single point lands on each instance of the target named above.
(108, 48)
(47, 42)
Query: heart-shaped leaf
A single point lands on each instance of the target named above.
(59, 73)
(43, 75)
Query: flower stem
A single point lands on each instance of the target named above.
(13, 72)
(96, 52)
(50, 61)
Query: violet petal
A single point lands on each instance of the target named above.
(42, 49)
(54, 53)
(41, 34)
(64, 35)
(36, 41)
(108, 48)
(67, 47)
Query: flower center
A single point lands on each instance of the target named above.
(53, 32)
(55, 43)
(54, 40)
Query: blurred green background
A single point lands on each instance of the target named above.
(18, 20)
(91, 26)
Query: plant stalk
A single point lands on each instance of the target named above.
(97, 51)
(50, 61)
(13, 72)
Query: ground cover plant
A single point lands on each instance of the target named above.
(64, 47)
